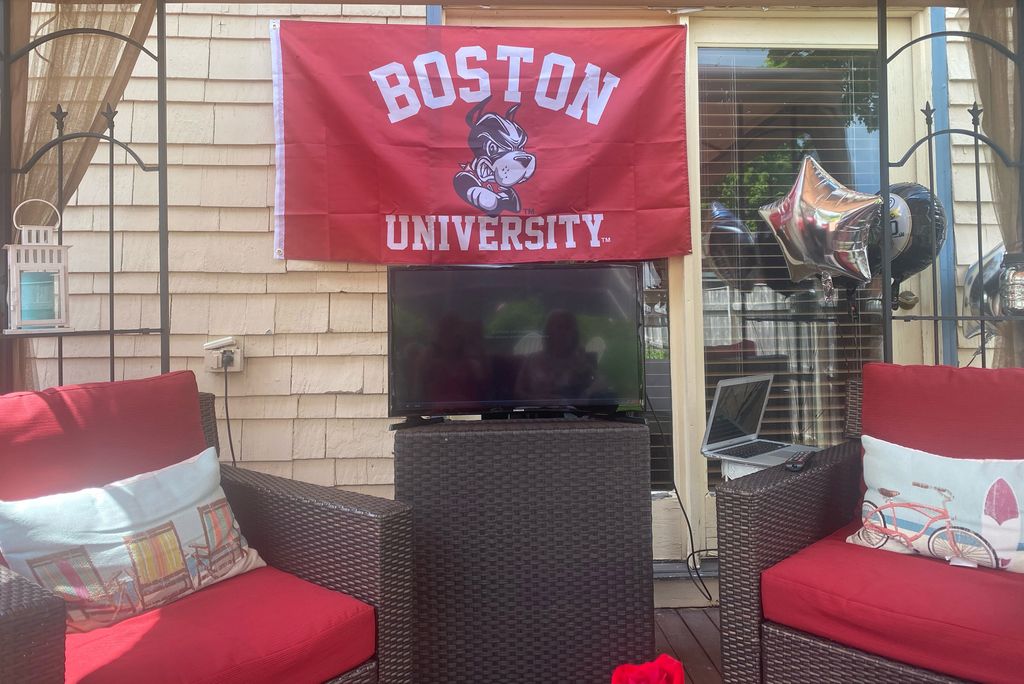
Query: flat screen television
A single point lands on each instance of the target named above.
(488, 340)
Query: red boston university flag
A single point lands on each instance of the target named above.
(417, 144)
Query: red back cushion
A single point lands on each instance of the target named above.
(67, 438)
(954, 412)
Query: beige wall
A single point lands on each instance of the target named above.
(311, 402)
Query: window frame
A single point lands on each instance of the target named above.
(846, 30)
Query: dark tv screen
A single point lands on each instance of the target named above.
(476, 339)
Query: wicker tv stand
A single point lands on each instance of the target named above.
(532, 548)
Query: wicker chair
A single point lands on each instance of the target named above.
(356, 544)
(766, 517)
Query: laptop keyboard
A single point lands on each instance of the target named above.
(750, 449)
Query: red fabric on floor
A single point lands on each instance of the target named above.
(68, 438)
(263, 626)
(953, 412)
(963, 622)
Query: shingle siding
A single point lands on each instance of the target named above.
(310, 403)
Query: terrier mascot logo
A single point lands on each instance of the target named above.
(500, 160)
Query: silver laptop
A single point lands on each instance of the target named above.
(735, 423)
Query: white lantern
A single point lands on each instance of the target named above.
(1011, 284)
(37, 276)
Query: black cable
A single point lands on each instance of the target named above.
(693, 572)
(707, 550)
(227, 415)
(703, 588)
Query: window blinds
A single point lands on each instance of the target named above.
(761, 111)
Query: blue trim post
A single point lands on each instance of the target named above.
(944, 188)
(433, 15)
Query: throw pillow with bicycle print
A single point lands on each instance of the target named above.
(965, 511)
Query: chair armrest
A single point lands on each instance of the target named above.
(764, 518)
(353, 543)
(32, 630)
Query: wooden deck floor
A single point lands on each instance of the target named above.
(693, 636)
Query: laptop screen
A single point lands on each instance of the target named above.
(738, 411)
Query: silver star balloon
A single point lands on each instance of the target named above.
(823, 226)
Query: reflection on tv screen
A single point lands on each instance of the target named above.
(470, 340)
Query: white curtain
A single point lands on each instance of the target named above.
(1000, 97)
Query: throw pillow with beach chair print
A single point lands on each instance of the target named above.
(114, 551)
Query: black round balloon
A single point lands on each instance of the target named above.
(729, 248)
(927, 232)
(772, 269)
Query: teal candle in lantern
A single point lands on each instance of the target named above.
(38, 300)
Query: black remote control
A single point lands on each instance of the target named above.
(797, 461)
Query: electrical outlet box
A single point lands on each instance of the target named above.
(230, 358)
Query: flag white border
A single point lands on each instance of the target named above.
(278, 78)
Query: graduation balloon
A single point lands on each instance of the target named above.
(927, 230)
(899, 228)
(823, 226)
(917, 223)
(729, 248)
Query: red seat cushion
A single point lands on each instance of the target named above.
(68, 438)
(954, 412)
(263, 626)
(963, 622)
